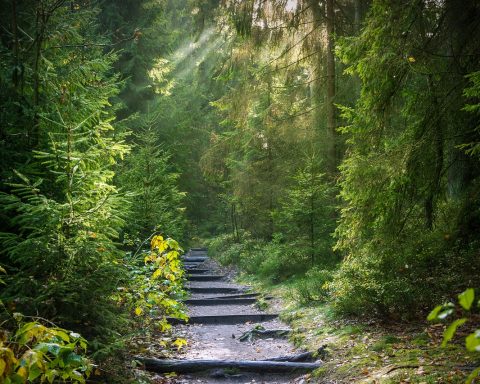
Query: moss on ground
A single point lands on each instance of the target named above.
(368, 351)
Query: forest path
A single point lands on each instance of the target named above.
(221, 312)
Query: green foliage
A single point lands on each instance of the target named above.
(306, 214)
(273, 261)
(156, 199)
(61, 211)
(472, 93)
(472, 341)
(154, 289)
(405, 183)
(313, 287)
(37, 352)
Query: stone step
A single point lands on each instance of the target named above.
(205, 277)
(263, 366)
(220, 301)
(225, 319)
(232, 290)
(197, 270)
(194, 259)
(191, 265)
(239, 296)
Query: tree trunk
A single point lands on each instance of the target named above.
(358, 14)
(437, 172)
(225, 319)
(330, 108)
(189, 366)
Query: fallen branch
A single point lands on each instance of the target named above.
(304, 356)
(189, 366)
(239, 296)
(232, 290)
(193, 277)
(220, 301)
(225, 319)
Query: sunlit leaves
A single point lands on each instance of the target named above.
(440, 312)
(157, 287)
(37, 351)
(466, 298)
(180, 343)
(451, 329)
(472, 341)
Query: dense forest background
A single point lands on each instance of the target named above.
(330, 144)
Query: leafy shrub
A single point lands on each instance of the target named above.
(472, 341)
(314, 286)
(45, 353)
(34, 351)
(272, 261)
(156, 287)
(282, 261)
(401, 281)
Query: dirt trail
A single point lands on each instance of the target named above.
(221, 341)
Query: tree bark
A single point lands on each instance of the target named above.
(225, 319)
(330, 108)
(220, 301)
(189, 366)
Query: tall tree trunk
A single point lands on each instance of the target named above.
(357, 4)
(40, 27)
(16, 71)
(439, 155)
(330, 108)
(318, 83)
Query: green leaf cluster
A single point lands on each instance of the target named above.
(466, 300)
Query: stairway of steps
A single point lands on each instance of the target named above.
(221, 311)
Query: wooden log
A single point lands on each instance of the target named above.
(190, 366)
(239, 296)
(301, 357)
(214, 290)
(191, 265)
(205, 277)
(220, 301)
(225, 319)
(192, 270)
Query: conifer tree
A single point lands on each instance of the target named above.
(156, 200)
(64, 213)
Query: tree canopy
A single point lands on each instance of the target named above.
(331, 143)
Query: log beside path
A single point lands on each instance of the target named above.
(191, 366)
(220, 301)
(225, 319)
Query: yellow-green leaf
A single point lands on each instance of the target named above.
(180, 343)
(472, 341)
(473, 375)
(450, 331)
(466, 298)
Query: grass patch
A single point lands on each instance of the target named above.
(368, 352)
